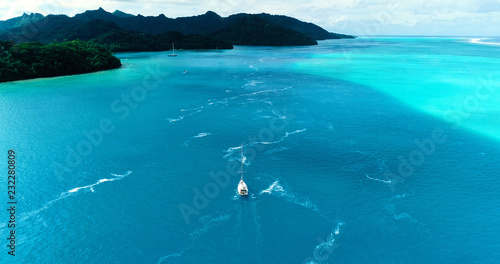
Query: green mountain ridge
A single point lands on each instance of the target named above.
(280, 30)
(122, 40)
(254, 31)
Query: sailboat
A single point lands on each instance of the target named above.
(242, 186)
(173, 51)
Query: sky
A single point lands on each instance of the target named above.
(355, 17)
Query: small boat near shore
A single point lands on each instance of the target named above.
(242, 186)
(173, 51)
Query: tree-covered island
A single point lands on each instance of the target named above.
(92, 36)
(34, 60)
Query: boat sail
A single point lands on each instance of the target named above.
(242, 186)
(173, 51)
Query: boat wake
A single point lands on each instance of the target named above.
(256, 218)
(237, 228)
(75, 191)
(276, 189)
(240, 208)
(208, 222)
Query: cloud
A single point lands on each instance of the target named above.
(357, 17)
(488, 6)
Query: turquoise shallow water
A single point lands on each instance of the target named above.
(375, 150)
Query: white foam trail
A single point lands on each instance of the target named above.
(236, 195)
(75, 191)
(403, 216)
(480, 41)
(391, 207)
(399, 196)
(287, 134)
(208, 222)
(326, 248)
(379, 180)
(171, 120)
(200, 135)
(280, 116)
(262, 117)
(253, 67)
(237, 150)
(193, 109)
(276, 189)
(223, 101)
(178, 254)
(273, 187)
(231, 151)
(295, 132)
(252, 83)
(337, 229)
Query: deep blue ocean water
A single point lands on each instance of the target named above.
(374, 150)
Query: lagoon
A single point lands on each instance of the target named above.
(373, 150)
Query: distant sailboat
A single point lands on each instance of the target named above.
(242, 187)
(173, 51)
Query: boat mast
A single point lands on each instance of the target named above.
(241, 162)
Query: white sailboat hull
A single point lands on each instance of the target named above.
(242, 188)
